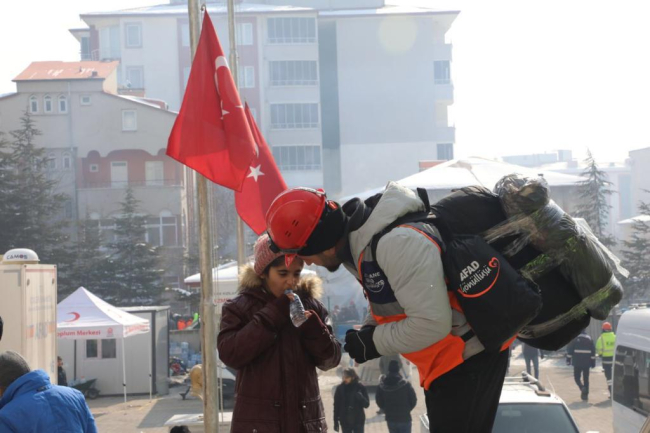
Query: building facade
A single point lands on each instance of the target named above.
(100, 142)
(349, 94)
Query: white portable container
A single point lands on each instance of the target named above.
(28, 309)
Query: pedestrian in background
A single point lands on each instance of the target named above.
(581, 353)
(62, 376)
(605, 346)
(531, 356)
(397, 398)
(350, 400)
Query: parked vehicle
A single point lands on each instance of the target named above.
(527, 406)
(631, 375)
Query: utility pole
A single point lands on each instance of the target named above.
(208, 310)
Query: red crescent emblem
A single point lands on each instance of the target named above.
(76, 317)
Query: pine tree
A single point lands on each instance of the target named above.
(134, 264)
(635, 257)
(592, 206)
(29, 204)
(91, 265)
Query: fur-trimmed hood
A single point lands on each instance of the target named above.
(310, 286)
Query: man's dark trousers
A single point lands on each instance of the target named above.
(465, 400)
(584, 383)
(399, 427)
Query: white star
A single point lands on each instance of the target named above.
(256, 172)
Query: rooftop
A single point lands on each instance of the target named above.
(56, 70)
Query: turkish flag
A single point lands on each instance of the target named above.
(263, 183)
(211, 134)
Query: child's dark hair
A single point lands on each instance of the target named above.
(180, 429)
(351, 373)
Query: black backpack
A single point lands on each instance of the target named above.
(496, 300)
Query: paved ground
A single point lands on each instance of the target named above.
(141, 415)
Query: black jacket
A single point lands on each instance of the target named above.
(63, 378)
(396, 397)
(581, 352)
(349, 404)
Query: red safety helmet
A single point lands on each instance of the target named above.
(292, 217)
(607, 326)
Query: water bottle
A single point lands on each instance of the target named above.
(296, 310)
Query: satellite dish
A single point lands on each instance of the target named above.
(20, 256)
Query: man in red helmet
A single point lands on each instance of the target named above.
(605, 346)
(410, 310)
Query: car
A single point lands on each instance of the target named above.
(526, 406)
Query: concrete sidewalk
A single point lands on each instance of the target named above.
(141, 415)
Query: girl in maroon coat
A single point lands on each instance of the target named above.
(277, 385)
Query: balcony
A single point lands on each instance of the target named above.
(446, 134)
(444, 91)
(442, 52)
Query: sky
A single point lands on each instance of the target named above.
(529, 76)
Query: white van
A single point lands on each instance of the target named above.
(631, 375)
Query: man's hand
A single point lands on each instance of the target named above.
(359, 344)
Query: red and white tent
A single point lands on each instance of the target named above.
(84, 316)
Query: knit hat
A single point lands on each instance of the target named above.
(393, 367)
(263, 254)
(12, 366)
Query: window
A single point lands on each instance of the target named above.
(85, 100)
(291, 158)
(445, 151)
(293, 73)
(94, 168)
(441, 72)
(101, 349)
(109, 43)
(294, 116)
(133, 35)
(244, 34)
(66, 161)
(161, 230)
(119, 174)
(291, 30)
(107, 230)
(85, 48)
(33, 104)
(631, 372)
(185, 35)
(92, 349)
(50, 162)
(67, 209)
(154, 172)
(246, 77)
(129, 120)
(63, 104)
(135, 77)
(47, 104)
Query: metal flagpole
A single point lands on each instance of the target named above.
(123, 369)
(208, 319)
(234, 68)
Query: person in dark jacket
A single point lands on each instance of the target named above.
(277, 386)
(62, 376)
(531, 356)
(397, 398)
(350, 400)
(30, 403)
(581, 353)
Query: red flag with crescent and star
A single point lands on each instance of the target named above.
(211, 133)
(263, 183)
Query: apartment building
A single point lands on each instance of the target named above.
(98, 143)
(349, 94)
